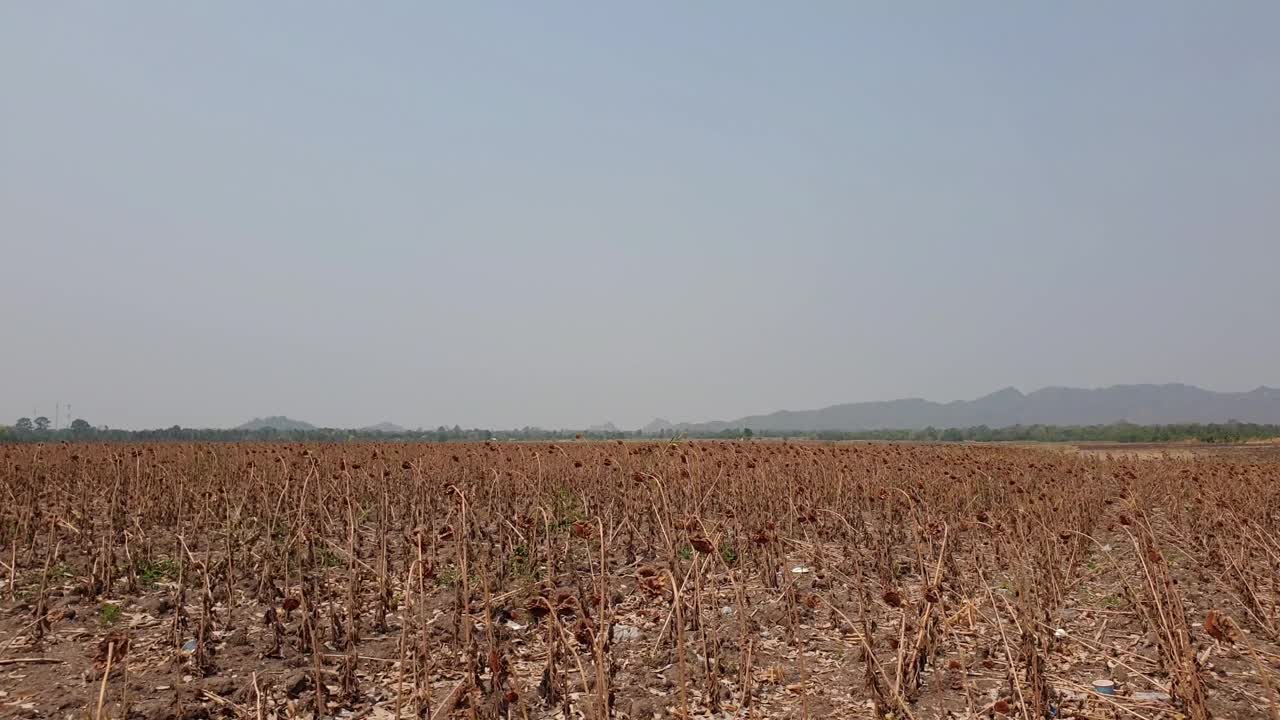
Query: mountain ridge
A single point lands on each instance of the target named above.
(1143, 404)
(275, 422)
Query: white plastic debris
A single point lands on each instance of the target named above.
(625, 633)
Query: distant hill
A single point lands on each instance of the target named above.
(657, 425)
(385, 427)
(1139, 404)
(275, 422)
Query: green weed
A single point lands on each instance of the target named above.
(151, 574)
(729, 554)
(110, 614)
(328, 558)
(447, 576)
(521, 564)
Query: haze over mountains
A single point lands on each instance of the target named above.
(280, 422)
(275, 422)
(1140, 404)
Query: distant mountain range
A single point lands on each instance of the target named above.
(275, 422)
(1140, 404)
(280, 422)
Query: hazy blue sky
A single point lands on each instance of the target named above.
(564, 213)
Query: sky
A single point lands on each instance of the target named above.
(503, 214)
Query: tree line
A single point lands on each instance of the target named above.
(1121, 432)
(38, 430)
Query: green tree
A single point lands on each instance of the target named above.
(23, 425)
(42, 423)
(79, 425)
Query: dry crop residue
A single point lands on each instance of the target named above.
(634, 580)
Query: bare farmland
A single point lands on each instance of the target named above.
(636, 580)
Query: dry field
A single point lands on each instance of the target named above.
(636, 580)
(1256, 450)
